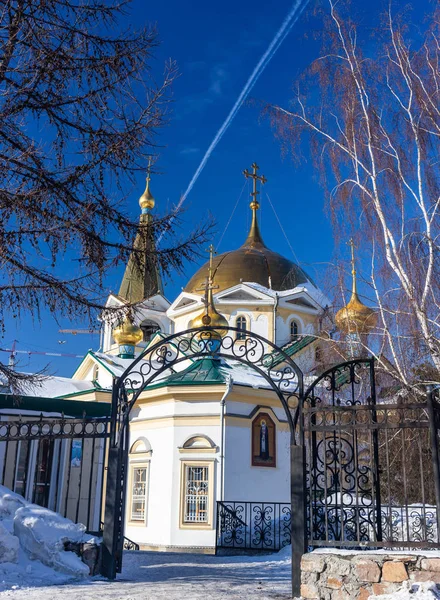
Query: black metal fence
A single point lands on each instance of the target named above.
(372, 465)
(264, 526)
(58, 463)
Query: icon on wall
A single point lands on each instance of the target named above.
(263, 441)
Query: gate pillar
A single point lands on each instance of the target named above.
(298, 512)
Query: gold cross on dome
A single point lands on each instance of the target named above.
(209, 285)
(352, 246)
(255, 178)
(150, 160)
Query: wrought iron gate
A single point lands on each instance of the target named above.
(254, 351)
(58, 463)
(371, 466)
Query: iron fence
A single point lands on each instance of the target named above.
(58, 463)
(372, 467)
(264, 526)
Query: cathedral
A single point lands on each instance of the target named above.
(212, 430)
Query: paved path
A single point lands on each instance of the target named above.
(170, 576)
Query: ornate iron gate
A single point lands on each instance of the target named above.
(372, 468)
(254, 351)
(58, 463)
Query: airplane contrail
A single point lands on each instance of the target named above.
(292, 17)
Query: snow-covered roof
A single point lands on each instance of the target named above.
(54, 387)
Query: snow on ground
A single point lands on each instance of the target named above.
(32, 544)
(175, 576)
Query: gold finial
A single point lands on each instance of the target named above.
(211, 251)
(146, 201)
(254, 239)
(255, 205)
(355, 317)
(209, 317)
(353, 267)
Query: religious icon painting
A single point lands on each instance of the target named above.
(263, 441)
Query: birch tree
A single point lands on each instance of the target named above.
(370, 111)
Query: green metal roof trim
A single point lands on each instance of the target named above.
(205, 371)
(290, 349)
(74, 408)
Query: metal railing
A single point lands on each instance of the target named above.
(263, 526)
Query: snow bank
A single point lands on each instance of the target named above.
(412, 591)
(42, 534)
(32, 544)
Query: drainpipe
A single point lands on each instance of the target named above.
(229, 384)
(275, 306)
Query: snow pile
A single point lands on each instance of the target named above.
(412, 591)
(32, 544)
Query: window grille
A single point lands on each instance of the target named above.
(138, 493)
(240, 323)
(196, 494)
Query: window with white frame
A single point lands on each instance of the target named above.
(139, 478)
(240, 323)
(294, 330)
(196, 494)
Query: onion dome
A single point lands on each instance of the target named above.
(355, 317)
(127, 333)
(146, 201)
(252, 262)
(209, 317)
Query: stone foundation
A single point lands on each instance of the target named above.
(344, 575)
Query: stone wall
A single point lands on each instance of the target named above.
(357, 575)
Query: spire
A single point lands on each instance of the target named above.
(354, 294)
(141, 278)
(254, 238)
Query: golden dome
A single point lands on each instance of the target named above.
(252, 262)
(127, 333)
(146, 201)
(355, 317)
(209, 317)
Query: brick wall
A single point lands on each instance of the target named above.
(355, 576)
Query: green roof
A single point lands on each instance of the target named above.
(73, 408)
(205, 371)
(290, 349)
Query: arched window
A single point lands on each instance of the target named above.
(294, 330)
(140, 453)
(240, 323)
(149, 328)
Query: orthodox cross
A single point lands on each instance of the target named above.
(150, 160)
(352, 246)
(254, 204)
(209, 285)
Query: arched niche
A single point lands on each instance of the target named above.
(198, 443)
(140, 446)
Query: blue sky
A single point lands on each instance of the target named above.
(216, 46)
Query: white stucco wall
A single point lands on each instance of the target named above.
(163, 522)
(255, 484)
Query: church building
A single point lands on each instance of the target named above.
(212, 430)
